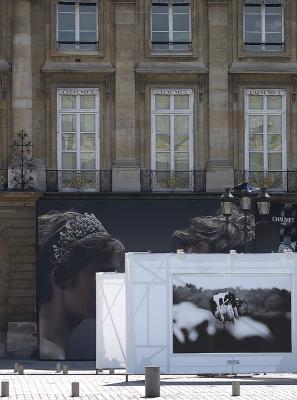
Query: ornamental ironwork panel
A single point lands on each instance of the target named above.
(275, 181)
(3, 179)
(78, 181)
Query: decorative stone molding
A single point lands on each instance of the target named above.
(201, 84)
(235, 86)
(142, 83)
(3, 85)
(108, 87)
(294, 88)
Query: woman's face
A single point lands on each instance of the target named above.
(80, 297)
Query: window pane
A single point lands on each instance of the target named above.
(160, 47)
(181, 143)
(68, 141)
(181, 124)
(162, 123)
(68, 101)
(181, 36)
(273, 38)
(68, 123)
(163, 142)
(88, 101)
(66, 8)
(275, 161)
(87, 8)
(256, 162)
(88, 36)
(87, 123)
(251, 37)
(256, 142)
(68, 160)
(163, 161)
(274, 102)
(180, 22)
(256, 124)
(87, 22)
(67, 22)
(255, 102)
(274, 124)
(160, 9)
(253, 23)
(66, 36)
(162, 102)
(87, 160)
(160, 22)
(273, 23)
(180, 9)
(181, 102)
(87, 142)
(181, 161)
(274, 142)
(160, 37)
(253, 9)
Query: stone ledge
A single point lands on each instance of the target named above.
(263, 67)
(78, 67)
(171, 68)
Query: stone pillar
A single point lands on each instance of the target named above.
(21, 68)
(126, 175)
(220, 167)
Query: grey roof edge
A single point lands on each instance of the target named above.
(171, 68)
(265, 68)
(77, 67)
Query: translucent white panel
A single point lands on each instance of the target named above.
(256, 161)
(87, 123)
(68, 160)
(274, 124)
(162, 102)
(274, 102)
(274, 142)
(256, 124)
(88, 101)
(87, 160)
(256, 143)
(181, 161)
(68, 123)
(140, 306)
(163, 161)
(256, 102)
(275, 161)
(68, 101)
(87, 142)
(181, 102)
(181, 142)
(181, 124)
(162, 123)
(163, 142)
(68, 141)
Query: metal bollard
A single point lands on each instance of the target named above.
(65, 369)
(152, 382)
(21, 369)
(16, 367)
(58, 367)
(236, 388)
(74, 389)
(4, 389)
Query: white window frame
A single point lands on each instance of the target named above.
(77, 27)
(265, 112)
(172, 112)
(263, 4)
(78, 112)
(170, 28)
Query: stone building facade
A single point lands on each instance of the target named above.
(226, 68)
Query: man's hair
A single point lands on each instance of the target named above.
(216, 232)
(98, 246)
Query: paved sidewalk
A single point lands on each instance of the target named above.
(42, 382)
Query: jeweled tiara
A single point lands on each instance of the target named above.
(78, 227)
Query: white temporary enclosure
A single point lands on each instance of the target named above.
(159, 313)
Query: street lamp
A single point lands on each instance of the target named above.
(227, 200)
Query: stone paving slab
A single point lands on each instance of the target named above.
(42, 382)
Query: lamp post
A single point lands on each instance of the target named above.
(246, 193)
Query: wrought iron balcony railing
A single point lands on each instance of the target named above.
(3, 179)
(78, 181)
(172, 181)
(274, 181)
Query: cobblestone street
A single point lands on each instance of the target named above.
(40, 381)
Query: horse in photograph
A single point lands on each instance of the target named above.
(224, 306)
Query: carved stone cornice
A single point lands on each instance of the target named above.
(3, 84)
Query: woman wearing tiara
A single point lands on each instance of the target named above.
(73, 247)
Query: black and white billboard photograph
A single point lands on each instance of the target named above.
(231, 313)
